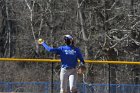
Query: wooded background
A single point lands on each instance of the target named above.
(102, 29)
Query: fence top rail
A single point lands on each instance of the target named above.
(58, 60)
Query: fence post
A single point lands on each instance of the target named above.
(109, 79)
(52, 78)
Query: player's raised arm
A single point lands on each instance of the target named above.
(50, 49)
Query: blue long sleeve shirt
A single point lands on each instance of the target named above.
(69, 55)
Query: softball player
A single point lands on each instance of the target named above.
(69, 55)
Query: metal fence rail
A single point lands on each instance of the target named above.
(45, 87)
(58, 60)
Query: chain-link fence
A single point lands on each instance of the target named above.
(44, 77)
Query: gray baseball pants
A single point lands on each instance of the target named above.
(68, 76)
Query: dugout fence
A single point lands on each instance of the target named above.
(42, 76)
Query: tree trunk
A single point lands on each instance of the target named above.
(31, 25)
(83, 29)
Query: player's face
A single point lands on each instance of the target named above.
(68, 41)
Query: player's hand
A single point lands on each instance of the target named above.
(40, 41)
(81, 69)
